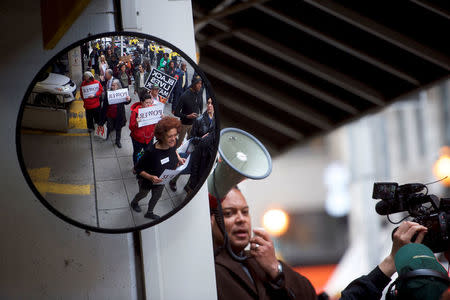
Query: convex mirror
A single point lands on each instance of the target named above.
(88, 145)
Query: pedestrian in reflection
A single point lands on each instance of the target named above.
(181, 86)
(163, 62)
(114, 114)
(103, 67)
(146, 65)
(170, 68)
(91, 103)
(203, 136)
(161, 156)
(137, 59)
(93, 60)
(189, 107)
(141, 137)
(124, 75)
(159, 55)
(109, 57)
(108, 80)
(140, 79)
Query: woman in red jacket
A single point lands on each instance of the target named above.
(90, 92)
(141, 137)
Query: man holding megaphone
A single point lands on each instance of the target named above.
(256, 273)
(261, 275)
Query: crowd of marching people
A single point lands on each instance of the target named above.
(110, 68)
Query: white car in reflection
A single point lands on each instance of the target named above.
(53, 90)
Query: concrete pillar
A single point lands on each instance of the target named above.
(178, 254)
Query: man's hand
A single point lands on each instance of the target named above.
(152, 178)
(264, 253)
(404, 234)
(205, 135)
(181, 161)
(192, 116)
(155, 179)
(401, 237)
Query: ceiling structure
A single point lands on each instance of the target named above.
(289, 70)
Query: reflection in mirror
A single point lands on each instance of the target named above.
(99, 128)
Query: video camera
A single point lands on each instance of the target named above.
(413, 198)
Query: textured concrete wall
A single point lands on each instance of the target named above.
(42, 257)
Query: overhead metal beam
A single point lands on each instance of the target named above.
(224, 4)
(337, 44)
(259, 117)
(272, 97)
(269, 144)
(306, 87)
(225, 12)
(434, 8)
(290, 56)
(383, 32)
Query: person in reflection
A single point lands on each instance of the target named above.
(91, 103)
(181, 85)
(203, 136)
(124, 75)
(139, 79)
(261, 275)
(161, 156)
(189, 107)
(141, 137)
(114, 114)
(103, 66)
(163, 62)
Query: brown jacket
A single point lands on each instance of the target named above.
(233, 283)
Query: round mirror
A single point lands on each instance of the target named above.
(117, 132)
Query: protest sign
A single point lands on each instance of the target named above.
(165, 82)
(117, 96)
(168, 175)
(89, 90)
(150, 115)
(125, 58)
(100, 131)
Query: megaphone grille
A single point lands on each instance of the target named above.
(244, 153)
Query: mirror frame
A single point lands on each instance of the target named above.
(187, 199)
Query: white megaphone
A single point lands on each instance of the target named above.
(241, 156)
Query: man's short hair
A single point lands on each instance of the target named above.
(213, 201)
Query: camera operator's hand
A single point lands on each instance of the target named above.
(264, 253)
(401, 237)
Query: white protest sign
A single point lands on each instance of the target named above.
(90, 90)
(165, 82)
(168, 175)
(117, 96)
(150, 115)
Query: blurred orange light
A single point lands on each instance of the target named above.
(275, 221)
(441, 167)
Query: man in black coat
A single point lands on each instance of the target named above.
(261, 275)
(189, 107)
